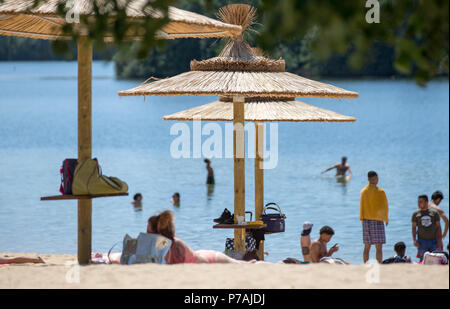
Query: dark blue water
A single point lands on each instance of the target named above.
(402, 132)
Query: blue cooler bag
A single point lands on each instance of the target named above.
(275, 222)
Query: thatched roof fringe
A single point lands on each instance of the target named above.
(274, 110)
(259, 64)
(257, 99)
(229, 83)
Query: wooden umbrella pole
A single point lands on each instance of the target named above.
(259, 177)
(239, 169)
(84, 143)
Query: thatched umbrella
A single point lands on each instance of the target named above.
(239, 73)
(19, 18)
(260, 111)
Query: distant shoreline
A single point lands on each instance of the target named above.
(323, 78)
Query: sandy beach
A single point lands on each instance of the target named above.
(59, 272)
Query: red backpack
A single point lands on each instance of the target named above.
(67, 171)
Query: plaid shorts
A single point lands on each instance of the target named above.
(373, 232)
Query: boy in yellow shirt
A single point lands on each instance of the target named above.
(373, 213)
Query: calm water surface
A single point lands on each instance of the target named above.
(402, 132)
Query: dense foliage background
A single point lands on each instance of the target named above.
(344, 45)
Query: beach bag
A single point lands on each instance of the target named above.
(147, 248)
(275, 222)
(88, 180)
(330, 260)
(67, 172)
(435, 258)
(250, 244)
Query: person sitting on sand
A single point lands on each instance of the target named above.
(319, 246)
(20, 260)
(305, 241)
(400, 257)
(341, 168)
(180, 252)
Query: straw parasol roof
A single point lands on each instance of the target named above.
(245, 83)
(270, 110)
(19, 18)
(239, 70)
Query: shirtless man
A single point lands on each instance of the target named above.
(319, 246)
(436, 199)
(341, 168)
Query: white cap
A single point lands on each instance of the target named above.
(307, 225)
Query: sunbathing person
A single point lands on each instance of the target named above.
(114, 258)
(20, 260)
(180, 252)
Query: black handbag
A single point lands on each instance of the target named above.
(275, 222)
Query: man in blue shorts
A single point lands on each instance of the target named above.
(426, 228)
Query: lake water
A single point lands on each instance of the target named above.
(402, 132)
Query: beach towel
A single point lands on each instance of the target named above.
(434, 258)
(330, 260)
(147, 248)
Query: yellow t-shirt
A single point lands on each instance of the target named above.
(374, 204)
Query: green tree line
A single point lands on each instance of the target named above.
(316, 38)
(24, 49)
(175, 57)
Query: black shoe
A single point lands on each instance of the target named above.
(229, 220)
(225, 215)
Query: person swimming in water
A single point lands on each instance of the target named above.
(341, 168)
(176, 199)
(210, 178)
(137, 200)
